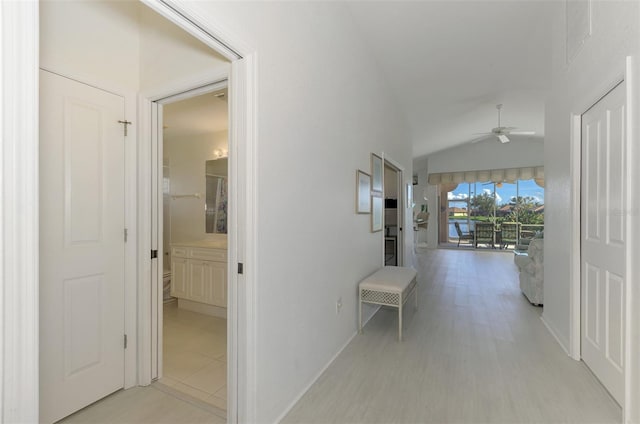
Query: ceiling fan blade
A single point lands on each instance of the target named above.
(501, 132)
(484, 137)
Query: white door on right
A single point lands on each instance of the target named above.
(603, 239)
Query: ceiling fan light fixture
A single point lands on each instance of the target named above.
(502, 133)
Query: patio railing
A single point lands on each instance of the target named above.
(527, 231)
(530, 230)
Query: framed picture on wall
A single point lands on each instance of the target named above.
(376, 173)
(363, 192)
(377, 209)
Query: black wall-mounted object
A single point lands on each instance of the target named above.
(390, 203)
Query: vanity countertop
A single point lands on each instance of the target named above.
(211, 244)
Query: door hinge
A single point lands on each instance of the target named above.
(240, 268)
(126, 124)
(126, 235)
(154, 254)
(125, 341)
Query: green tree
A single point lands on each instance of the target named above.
(483, 204)
(525, 211)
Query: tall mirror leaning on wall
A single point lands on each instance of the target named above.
(216, 172)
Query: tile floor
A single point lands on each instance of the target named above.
(475, 351)
(195, 355)
(145, 405)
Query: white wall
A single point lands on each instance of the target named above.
(122, 44)
(96, 41)
(522, 151)
(576, 86)
(320, 115)
(168, 55)
(186, 157)
(489, 154)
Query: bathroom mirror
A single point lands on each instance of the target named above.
(216, 172)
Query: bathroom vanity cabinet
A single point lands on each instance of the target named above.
(199, 273)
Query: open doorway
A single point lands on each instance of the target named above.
(193, 164)
(393, 215)
(161, 57)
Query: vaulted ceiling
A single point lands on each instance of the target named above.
(449, 63)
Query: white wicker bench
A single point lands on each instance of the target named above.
(389, 286)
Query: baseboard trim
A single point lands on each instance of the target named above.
(556, 335)
(317, 376)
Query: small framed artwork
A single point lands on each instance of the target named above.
(376, 212)
(363, 192)
(409, 196)
(376, 173)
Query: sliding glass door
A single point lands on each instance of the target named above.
(519, 205)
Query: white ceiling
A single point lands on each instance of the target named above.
(202, 114)
(448, 63)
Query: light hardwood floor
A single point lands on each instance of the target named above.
(475, 352)
(143, 405)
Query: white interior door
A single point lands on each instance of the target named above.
(81, 245)
(603, 239)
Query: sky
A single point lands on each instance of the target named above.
(503, 194)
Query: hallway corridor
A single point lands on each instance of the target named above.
(475, 352)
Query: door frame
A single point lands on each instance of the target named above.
(19, 227)
(151, 106)
(19, 215)
(628, 72)
(401, 211)
(242, 213)
(241, 303)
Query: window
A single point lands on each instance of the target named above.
(521, 202)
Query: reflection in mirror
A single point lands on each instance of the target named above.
(216, 201)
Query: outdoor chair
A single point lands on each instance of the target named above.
(510, 234)
(463, 236)
(485, 233)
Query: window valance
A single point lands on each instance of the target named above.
(508, 175)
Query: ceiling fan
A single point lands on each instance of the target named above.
(501, 132)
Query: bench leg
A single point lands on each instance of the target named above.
(400, 321)
(360, 312)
